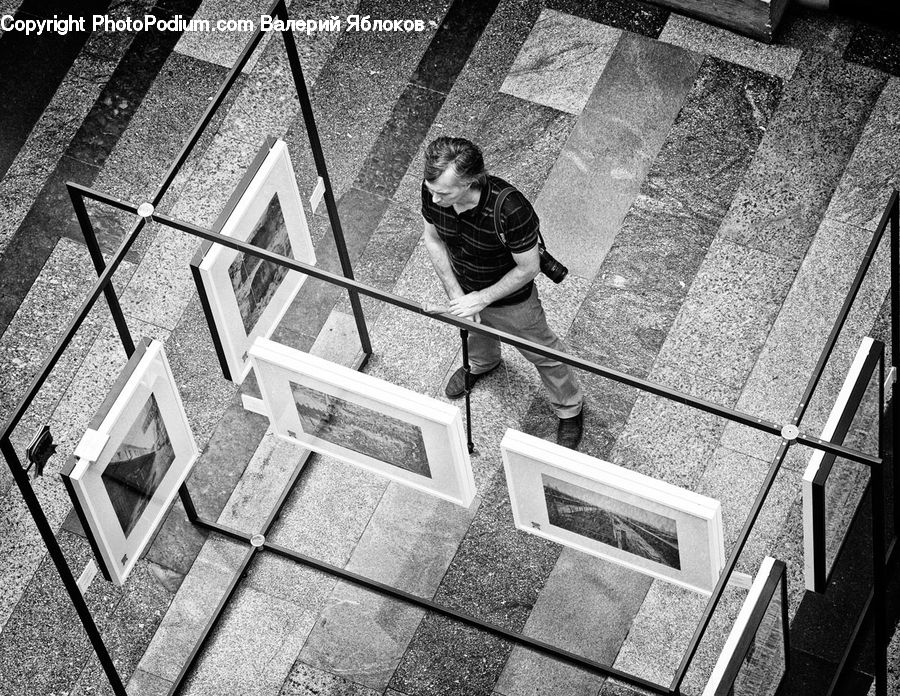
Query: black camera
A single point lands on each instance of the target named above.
(550, 267)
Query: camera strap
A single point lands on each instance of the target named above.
(498, 219)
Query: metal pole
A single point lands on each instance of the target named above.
(322, 170)
(59, 560)
(719, 589)
(879, 572)
(467, 371)
(90, 238)
(895, 356)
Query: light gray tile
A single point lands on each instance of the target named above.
(872, 172)
(309, 681)
(252, 649)
(146, 684)
(192, 607)
(361, 636)
(560, 61)
(338, 339)
(703, 38)
(612, 146)
(562, 618)
(728, 312)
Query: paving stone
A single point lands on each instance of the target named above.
(774, 59)
(561, 60)
(308, 681)
(610, 151)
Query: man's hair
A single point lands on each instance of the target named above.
(461, 154)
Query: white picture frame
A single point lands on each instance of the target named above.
(407, 437)
(634, 520)
(820, 549)
(755, 657)
(131, 461)
(243, 296)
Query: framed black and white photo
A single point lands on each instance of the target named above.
(242, 295)
(608, 511)
(833, 486)
(408, 437)
(128, 466)
(754, 659)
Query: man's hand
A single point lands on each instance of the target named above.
(468, 306)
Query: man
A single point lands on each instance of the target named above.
(487, 281)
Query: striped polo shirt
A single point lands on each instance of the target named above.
(478, 257)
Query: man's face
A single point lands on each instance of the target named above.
(447, 189)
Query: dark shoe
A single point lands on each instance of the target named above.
(456, 385)
(568, 434)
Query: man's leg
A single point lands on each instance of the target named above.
(527, 320)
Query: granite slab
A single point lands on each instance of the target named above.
(58, 123)
(876, 47)
(146, 684)
(806, 148)
(662, 629)
(773, 59)
(410, 540)
(668, 440)
(617, 136)
(328, 509)
(304, 680)
(582, 594)
(628, 15)
(484, 71)
(521, 140)
(191, 608)
(357, 89)
(132, 626)
(808, 29)
(224, 46)
(45, 625)
(728, 312)
(871, 174)
(361, 636)
(449, 658)
(798, 334)
(560, 61)
(252, 648)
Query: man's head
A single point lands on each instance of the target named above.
(453, 168)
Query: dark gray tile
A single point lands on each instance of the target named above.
(631, 15)
(309, 681)
(612, 146)
(806, 148)
(875, 47)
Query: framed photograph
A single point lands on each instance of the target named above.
(608, 511)
(128, 466)
(410, 438)
(833, 486)
(243, 296)
(754, 659)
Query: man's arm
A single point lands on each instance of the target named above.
(440, 259)
(528, 265)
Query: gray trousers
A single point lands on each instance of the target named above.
(527, 320)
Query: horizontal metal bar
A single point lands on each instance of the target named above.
(231, 532)
(430, 605)
(839, 450)
(416, 307)
(62, 343)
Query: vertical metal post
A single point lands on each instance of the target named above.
(187, 502)
(879, 571)
(467, 370)
(319, 157)
(59, 560)
(93, 246)
(895, 358)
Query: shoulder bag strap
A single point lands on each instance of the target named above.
(498, 207)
